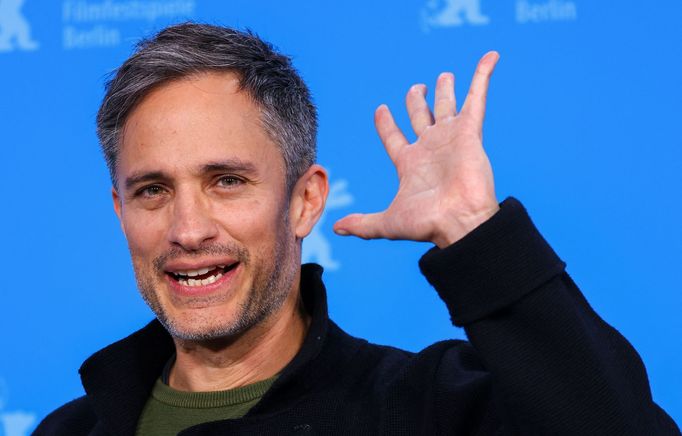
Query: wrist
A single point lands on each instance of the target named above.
(453, 229)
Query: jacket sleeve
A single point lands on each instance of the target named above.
(556, 366)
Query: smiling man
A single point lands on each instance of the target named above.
(209, 135)
(205, 207)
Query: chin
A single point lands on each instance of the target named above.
(201, 325)
(206, 324)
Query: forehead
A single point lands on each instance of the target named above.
(194, 120)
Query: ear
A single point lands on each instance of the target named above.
(308, 199)
(118, 207)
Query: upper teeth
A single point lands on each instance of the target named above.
(197, 272)
(197, 282)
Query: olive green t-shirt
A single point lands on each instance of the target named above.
(169, 411)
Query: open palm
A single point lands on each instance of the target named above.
(446, 181)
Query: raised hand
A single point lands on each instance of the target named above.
(446, 181)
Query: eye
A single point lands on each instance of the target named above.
(229, 181)
(150, 191)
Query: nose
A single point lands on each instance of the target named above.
(192, 222)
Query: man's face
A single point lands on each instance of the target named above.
(203, 204)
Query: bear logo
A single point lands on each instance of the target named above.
(15, 32)
(453, 13)
(16, 423)
(316, 247)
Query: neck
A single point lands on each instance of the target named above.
(258, 354)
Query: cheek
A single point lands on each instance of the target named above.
(255, 221)
(144, 233)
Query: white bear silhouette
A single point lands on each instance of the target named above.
(13, 26)
(13, 423)
(452, 12)
(316, 247)
(17, 423)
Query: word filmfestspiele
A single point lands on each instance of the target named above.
(104, 13)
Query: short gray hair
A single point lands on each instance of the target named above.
(288, 114)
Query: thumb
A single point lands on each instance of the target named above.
(365, 226)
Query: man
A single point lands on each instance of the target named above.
(210, 139)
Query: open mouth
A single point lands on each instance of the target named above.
(201, 277)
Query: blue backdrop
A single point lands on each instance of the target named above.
(583, 126)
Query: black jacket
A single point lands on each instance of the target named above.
(539, 362)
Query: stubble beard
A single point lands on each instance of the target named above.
(272, 282)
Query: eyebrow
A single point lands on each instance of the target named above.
(228, 165)
(141, 177)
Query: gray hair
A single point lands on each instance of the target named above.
(288, 114)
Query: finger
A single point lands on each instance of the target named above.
(389, 132)
(365, 226)
(474, 105)
(445, 104)
(418, 109)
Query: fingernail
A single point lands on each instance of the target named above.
(342, 232)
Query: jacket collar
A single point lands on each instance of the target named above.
(118, 379)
